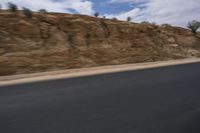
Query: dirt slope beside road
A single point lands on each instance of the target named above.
(83, 72)
(56, 41)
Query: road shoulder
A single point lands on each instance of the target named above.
(72, 73)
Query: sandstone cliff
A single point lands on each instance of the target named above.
(56, 41)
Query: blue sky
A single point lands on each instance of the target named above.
(175, 12)
(106, 7)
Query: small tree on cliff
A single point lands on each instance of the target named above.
(114, 18)
(96, 14)
(43, 11)
(128, 19)
(194, 26)
(12, 7)
(27, 12)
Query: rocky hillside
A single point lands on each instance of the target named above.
(61, 41)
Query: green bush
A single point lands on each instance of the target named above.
(166, 25)
(194, 26)
(96, 14)
(128, 19)
(43, 11)
(27, 12)
(12, 7)
(114, 18)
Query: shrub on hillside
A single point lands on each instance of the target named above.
(114, 18)
(27, 12)
(12, 7)
(43, 11)
(128, 19)
(96, 14)
(71, 41)
(166, 25)
(194, 26)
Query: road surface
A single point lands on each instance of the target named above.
(158, 100)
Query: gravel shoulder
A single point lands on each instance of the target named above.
(72, 73)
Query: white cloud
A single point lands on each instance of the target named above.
(125, 1)
(123, 15)
(80, 6)
(175, 12)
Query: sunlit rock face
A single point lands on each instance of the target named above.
(56, 41)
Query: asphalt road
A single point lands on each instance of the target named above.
(159, 100)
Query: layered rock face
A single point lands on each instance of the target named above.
(56, 41)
